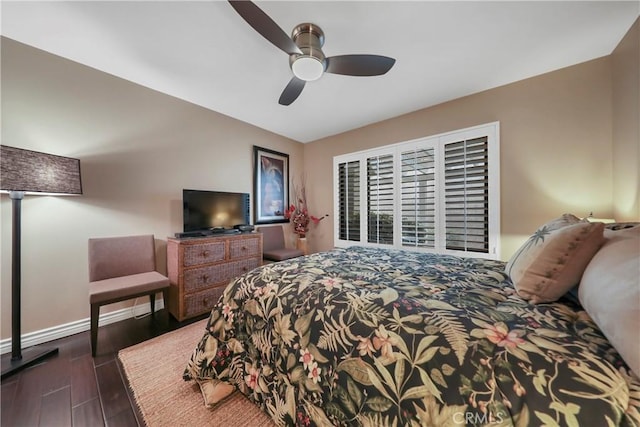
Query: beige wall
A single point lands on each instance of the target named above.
(138, 150)
(626, 126)
(555, 147)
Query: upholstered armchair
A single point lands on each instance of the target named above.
(273, 245)
(122, 268)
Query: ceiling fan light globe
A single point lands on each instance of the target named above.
(307, 68)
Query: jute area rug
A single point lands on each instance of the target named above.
(154, 370)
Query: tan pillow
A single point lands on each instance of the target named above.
(213, 391)
(539, 235)
(610, 292)
(560, 222)
(550, 263)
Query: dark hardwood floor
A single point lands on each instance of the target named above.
(74, 389)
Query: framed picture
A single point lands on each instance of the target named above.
(270, 185)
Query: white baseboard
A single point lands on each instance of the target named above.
(61, 331)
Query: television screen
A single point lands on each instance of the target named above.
(204, 210)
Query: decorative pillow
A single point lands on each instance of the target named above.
(554, 224)
(560, 222)
(213, 391)
(552, 261)
(610, 292)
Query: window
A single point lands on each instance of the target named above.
(380, 199)
(418, 198)
(437, 194)
(349, 201)
(466, 195)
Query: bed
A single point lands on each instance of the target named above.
(378, 337)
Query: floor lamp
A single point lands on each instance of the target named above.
(30, 172)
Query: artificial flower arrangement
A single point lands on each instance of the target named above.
(299, 214)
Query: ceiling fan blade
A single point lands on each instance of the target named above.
(359, 65)
(264, 25)
(292, 91)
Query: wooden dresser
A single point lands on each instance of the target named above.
(199, 268)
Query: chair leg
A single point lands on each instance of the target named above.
(165, 298)
(95, 314)
(152, 301)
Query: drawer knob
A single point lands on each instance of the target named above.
(244, 269)
(205, 277)
(244, 248)
(205, 254)
(205, 301)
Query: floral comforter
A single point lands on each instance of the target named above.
(376, 337)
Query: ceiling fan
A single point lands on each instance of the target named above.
(304, 48)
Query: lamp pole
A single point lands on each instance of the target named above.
(16, 271)
(32, 355)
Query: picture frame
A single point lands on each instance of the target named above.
(270, 185)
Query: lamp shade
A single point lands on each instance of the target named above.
(33, 172)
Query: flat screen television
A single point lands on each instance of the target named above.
(205, 210)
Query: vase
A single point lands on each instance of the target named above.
(302, 244)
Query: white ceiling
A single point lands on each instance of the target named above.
(203, 52)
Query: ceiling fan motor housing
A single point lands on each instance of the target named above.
(311, 64)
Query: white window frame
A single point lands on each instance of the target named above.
(437, 142)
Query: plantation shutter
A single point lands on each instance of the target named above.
(466, 187)
(418, 198)
(349, 200)
(380, 199)
(437, 194)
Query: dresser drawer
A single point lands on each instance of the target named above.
(203, 254)
(244, 247)
(202, 302)
(200, 278)
(240, 267)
